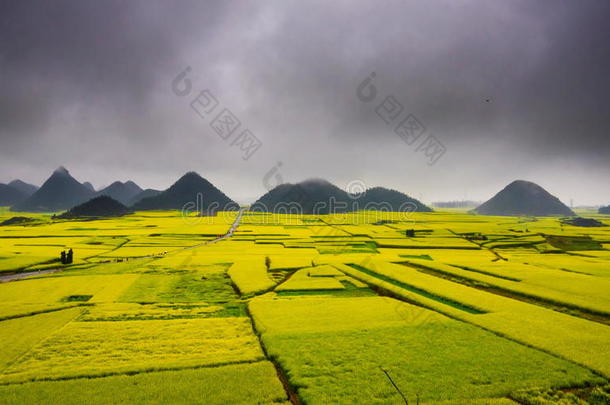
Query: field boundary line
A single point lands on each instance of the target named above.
(289, 389)
(44, 311)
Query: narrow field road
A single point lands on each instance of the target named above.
(223, 237)
(17, 276)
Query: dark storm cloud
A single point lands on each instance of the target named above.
(513, 89)
(105, 54)
(542, 69)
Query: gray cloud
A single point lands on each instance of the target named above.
(87, 85)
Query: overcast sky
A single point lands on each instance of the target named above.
(511, 89)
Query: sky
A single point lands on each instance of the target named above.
(440, 99)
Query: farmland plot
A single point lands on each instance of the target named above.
(482, 324)
(335, 352)
(83, 349)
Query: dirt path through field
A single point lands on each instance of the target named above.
(17, 276)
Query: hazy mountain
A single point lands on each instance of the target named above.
(308, 197)
(102, 206)
(149, 192)
(10, 196)
(60, 192)
(394, 200)
(122, 192)
(322, 197)
(25, 188)
(524, 198)
(604, 210)
(189, 189)
(89, 186)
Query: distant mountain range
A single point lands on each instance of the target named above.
(322, 197)
(604, 210)
(524, 198)
(61, 192)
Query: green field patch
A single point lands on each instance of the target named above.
(568, 243)
(436, 361)
(189, 287)
(333, 351)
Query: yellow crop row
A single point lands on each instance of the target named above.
(577, 339)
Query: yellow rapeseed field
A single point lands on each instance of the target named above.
(453, 308)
